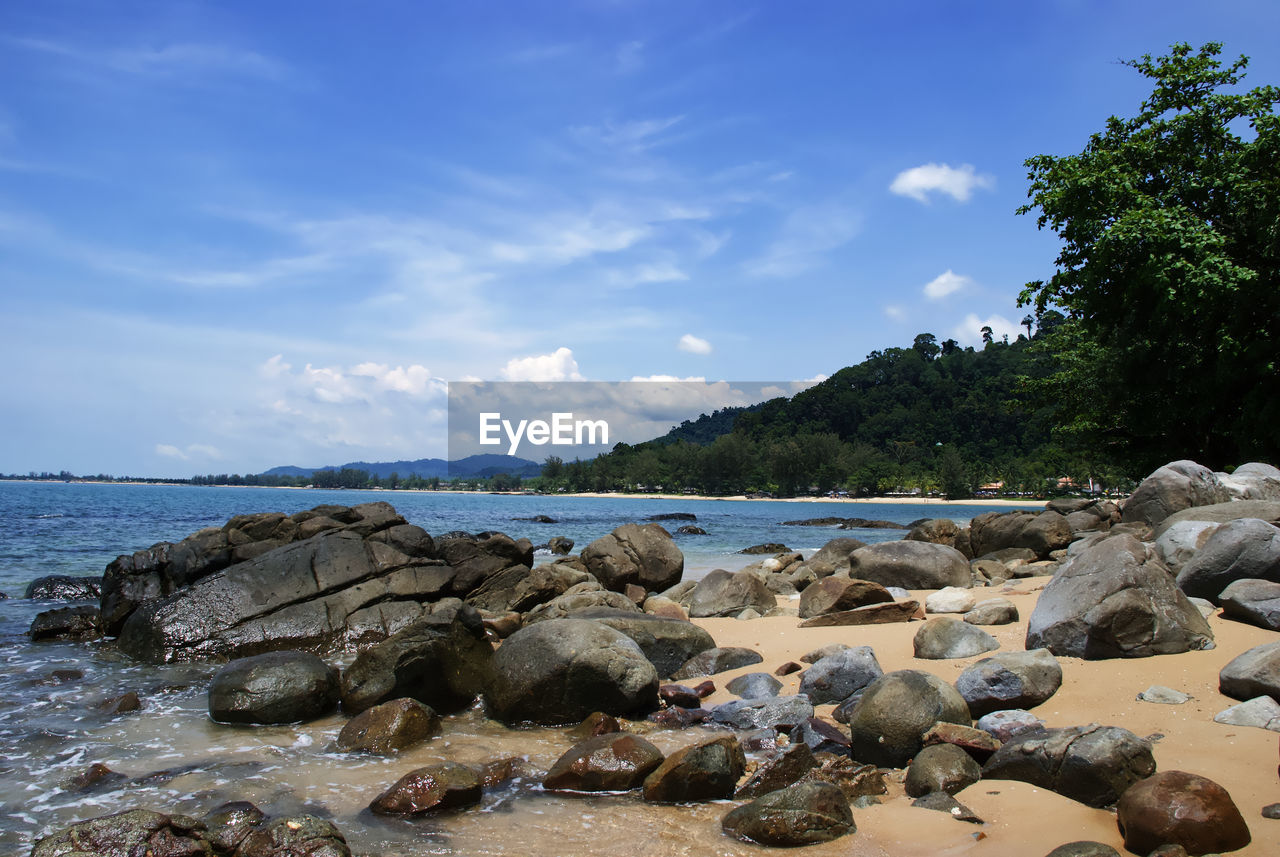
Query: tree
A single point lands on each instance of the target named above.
(1168, 273)
(988, 335)
(926, 345)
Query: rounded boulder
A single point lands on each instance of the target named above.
(887, 724)
(276, 687)
(911, 565)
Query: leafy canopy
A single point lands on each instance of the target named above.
(1170, 230)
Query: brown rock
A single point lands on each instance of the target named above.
(679, 695)
(978, 744)
(635, 593)
(852, 777)
(389, 727)
(1178, 808)
(443, 786)
(837, 594)
(709, 770)
(597, 723)
(779, 773)
(872, 614)
(606, 763)
(788, 668)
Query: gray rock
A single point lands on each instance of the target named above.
(911, 565)
(1253, 673)
(818, 654)
(942, 802)
(643, 554)
(1247, 548)
(275, 687)
(754, 686)
(1221, 513)
(667, 643)
(781, 711)
(723, 593)
(1115, 600)
(887, 724)
(1012, 680)
(941, 768)
(833, 557)
(1254, 601)
(838, 676)
(944, 638)
(1003, 725)
(1261, 712)
(800, 814)
(992, 611)
(939, 531)
(559, 671)
(1175, 486)
(572, 604)
(1181, 541)
(1164, 695)
(1252, 481)
(1084, 848)
(717, 660)
(1090, 764)
(1206, 607)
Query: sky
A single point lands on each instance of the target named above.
(235, 235)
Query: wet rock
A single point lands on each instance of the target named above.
(820, 736)
(62, 587)
(945, 638)
(941, 768)
(679, 695)
(723, 593)
(717, 660)
(1003, 725)
(295, 836)
(96, 777)
(673, 516)
(872, 614)
(1178, 808)
(992, 611)
(1175, 486)
(389, 728)
(838, 676)
(943, 802)
(1253, 673)
(228, 825)
(778, 773)
(1163, 695)
(708, 770)
(781, 712)
(125, 703)
(754, 686)
(446, 785)
(690, 530)
(1247, 548)
(851, 777)
(1011, 680)
(766, 548)
(128, 833)
(978, 744)
(1084, 848)
(911, 565)
(801, 814)
(896, 710)
(1115, 599)
(838, 593)
(1254, 601)
(596, 723)
(680, 718)
(1261, 712)
(1090, 764)
(560, 671)
(66, 623)
(442, 660)
(643, 554)
(560, 545)
(606, 763)
(667, 643)
(276, 687)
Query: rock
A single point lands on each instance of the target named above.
(643, 554)
(895, 711)
(574, 603)
(519, 589)
(560, 545)
(708, 770)
(1221, 513)
(1271, 810)
(938, 531)
(1011, 680)
(1253, 673)
(1164, 695)
(1252, 481)
(992, 611)
(66, 623)
(561, 670)
(1206, 607)
(442, 660)
(872, 614)
(227, 825)
(944, 638)
(1003, 725)
(766, 548)
(820, 736)
(615, 762)
(446, 785)
(128, 833)
(952, 599)
(275, 687)
(833, 557)
(834, 594)
(782, 712)
(1175, 486)
(723, 593)
(679, 718)
(779, 773)
(1177, 808)
(1090, 764)
(295, 836)
(1115, 599)
(851, 777)
(801, 814)
(679, 695)
(754, 686)
(838, 676)
(389, 727)
(690, 530)
(818, 654)
(673, 516)
(943, 802)
(96, 777)
(125, 703)
(660, 605)
(1245, 548)
(1254, 601)
(788, 668)
(1084, 848)
(911, 565)
(596, 723)
(667, 643)
(1261, 712)
(717, 660)
(941, 768)
(62, 587)
(485, 562)
(1181, 541)
(1037, 533)
(978, 744)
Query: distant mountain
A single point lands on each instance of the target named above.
(473, 465)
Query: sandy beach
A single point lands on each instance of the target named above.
(893, 501)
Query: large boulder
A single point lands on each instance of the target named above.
(66, 623)
(910, 565)
(717, 660)
(1011, 680)
(1090, 764)
(124, 834)
(800, 814)
(939, 531)
(1115, 600)
(888, 723)
(838, 593)
(642, 554)
(1244, 548)
(389, 728)
(581, 599)
(62, 587)
(1176, 486)
(724, 593)
(275, 687)
(1253, 673)
(442, 660)
(1181, 541)
(1177, 808)
(1254, 601)
(1041, 533)
(667, 643)
(1221, 513)
(561, 670)
(1252, 481)
(833, 557)
(779, 712)
(484, 562)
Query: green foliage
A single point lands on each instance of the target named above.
(1170, 229)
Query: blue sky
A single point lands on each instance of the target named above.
(235, 235)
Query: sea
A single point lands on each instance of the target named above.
(170, 757)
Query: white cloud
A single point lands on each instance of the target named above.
(670, 379)
(944, 284)
(895, 312)
(694, 344)
(559, 365)
(170, 451)
(957, 182)
(275, 367)
(969, 332)
(414, 379)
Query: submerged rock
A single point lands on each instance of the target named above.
(446, 785)
(802, 814)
